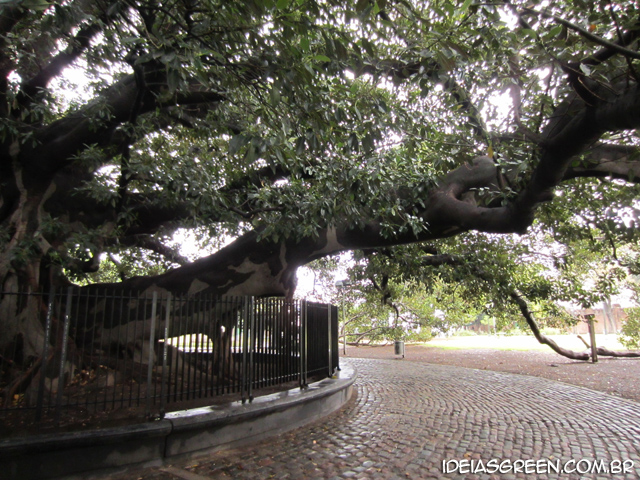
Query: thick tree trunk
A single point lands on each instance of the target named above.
(21, 264)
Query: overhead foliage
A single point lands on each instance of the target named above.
(308, 127)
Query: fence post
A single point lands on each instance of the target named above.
(335, 328)
(329, 337)
(63, 353)
(165, 348)
(303, 343)
(154, 306)
(245, 348)
(592, 335)
(252, 342)
(45, 352)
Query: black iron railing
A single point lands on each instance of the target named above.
(90, 350)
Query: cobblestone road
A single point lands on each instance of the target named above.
(407, 418)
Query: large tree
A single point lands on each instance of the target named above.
(301, 128)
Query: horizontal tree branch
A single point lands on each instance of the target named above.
(586, 34)
(60, 141)
(155, 245)
(77, 45)
(605, 352)
(604, 160)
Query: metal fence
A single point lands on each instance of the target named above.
(107, 350)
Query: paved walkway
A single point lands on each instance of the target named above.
(407, 418)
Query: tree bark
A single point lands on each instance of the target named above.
(543, 339)
(605, 352)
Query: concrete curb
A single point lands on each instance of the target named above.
(179, 434)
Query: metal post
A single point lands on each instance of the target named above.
(245, 347)
(329, 337)
(252, 330)
(337, 336)
(344, 329)
(300, 356)
(154, 306)
(165, 350)
(303, 344)
(45, 352)
(63, 353)
(592, 335)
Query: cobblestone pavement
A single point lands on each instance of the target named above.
(407, 418)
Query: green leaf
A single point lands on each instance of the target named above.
(38, 5)
(300, 146)
(173, 80)
(465, 6)
(585, 69)
(304, 44)
(361, 5)
(275, 95)
(555, 31)
(236, 143)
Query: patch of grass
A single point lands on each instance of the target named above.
(464, 333)
(518, 342)
(492, 346)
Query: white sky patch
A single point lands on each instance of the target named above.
(306, 282)
(310, 287)
(14, 78)
(108, 175)
(189, 245)
(509, 18)
(497, 109)
(73, 86)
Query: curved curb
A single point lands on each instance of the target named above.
(186, 432)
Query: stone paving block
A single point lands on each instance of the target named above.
(407, 418)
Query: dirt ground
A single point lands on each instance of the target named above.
(616, 376)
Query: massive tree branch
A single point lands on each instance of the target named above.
(449, 208)
(543, 339)
(60, 141)
(604, 160)
(575, 128)
(77, 45)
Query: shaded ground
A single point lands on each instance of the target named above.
(19, 423)
(616, 376)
